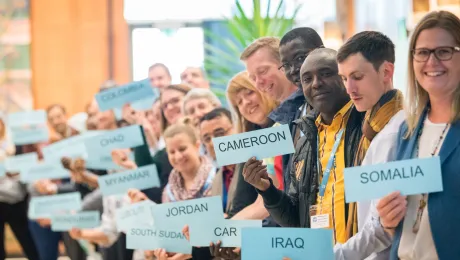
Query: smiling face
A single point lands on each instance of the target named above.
(183, 154)
(364, 84)
(249, 104)
(439, 78)
(171, 103)
(293, 55)
(197, 108)
(217, 127)
(57, 119)
(159, 77)
(263, 70)
(322, 85)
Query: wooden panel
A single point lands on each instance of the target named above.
(69, 50)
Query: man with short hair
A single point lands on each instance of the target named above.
(327, 147)
(159, 75)
(195, 77)
(199, 102)
(57, 118)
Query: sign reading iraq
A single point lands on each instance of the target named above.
(119, 96)
(415, 176)
(295, 243)
(141, 178)
(264, 143)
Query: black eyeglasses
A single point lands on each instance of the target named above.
(219, 132)
(441, 53)
(295, 62)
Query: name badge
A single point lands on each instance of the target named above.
(119, 96)
(264, 143)
(226, 230)
(140, 178)
(295, 243)
(415, 176)
(82, 220)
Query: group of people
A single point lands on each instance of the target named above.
(342, 110)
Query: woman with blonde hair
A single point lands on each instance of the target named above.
(425, 227)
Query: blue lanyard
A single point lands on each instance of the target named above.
(330, 162)
(224, 191)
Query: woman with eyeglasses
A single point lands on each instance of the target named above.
(425, 225)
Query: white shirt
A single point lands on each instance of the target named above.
(420, 245)
(371, 237)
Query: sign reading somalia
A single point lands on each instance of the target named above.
(415, 176)
(264, 143)
(119, 96)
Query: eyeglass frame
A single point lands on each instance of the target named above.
(433, 51)
(213, 135)
(297, 60)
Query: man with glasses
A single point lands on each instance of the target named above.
(218, 123)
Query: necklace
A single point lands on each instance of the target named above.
(424, 199)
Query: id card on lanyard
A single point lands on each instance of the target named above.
(320, 214)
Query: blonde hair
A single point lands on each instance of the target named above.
(182, 88)
(181, 128)
(417, 98)
(198, 93)
(238, 83)
(271, 43)
(2, 129)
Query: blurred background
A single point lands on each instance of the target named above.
(60, 51)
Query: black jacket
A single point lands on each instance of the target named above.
(291, 209)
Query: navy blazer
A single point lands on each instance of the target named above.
(443, 207)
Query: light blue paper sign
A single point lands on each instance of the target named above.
(2, 170)
(295, 243)
(29, 134)
(73, 147)
(44, 170)
(188, 212)
(21, 162)
(104, 162)
(226, 230)
(265, 143)
(119, 96)
(47, 206)
(150, 238)
(34, 117)
(134, 214)
(126, 137)
(415, 176)
(84, 219)
(141, 178)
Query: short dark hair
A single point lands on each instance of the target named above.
(215, 113)
(50, 107)
(374, 46)
(306, 34)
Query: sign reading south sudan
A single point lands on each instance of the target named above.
(264, 143)
(415, 176)
(151, 238)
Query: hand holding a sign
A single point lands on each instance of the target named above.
(255, 173)
(161, 254)
(45, 187)
(136, 196)
(120, 158)
(227, 253)
(75, 233)
(392, 209)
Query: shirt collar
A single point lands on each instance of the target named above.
(338, 116)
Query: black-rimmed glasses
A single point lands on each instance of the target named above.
(441, 53)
